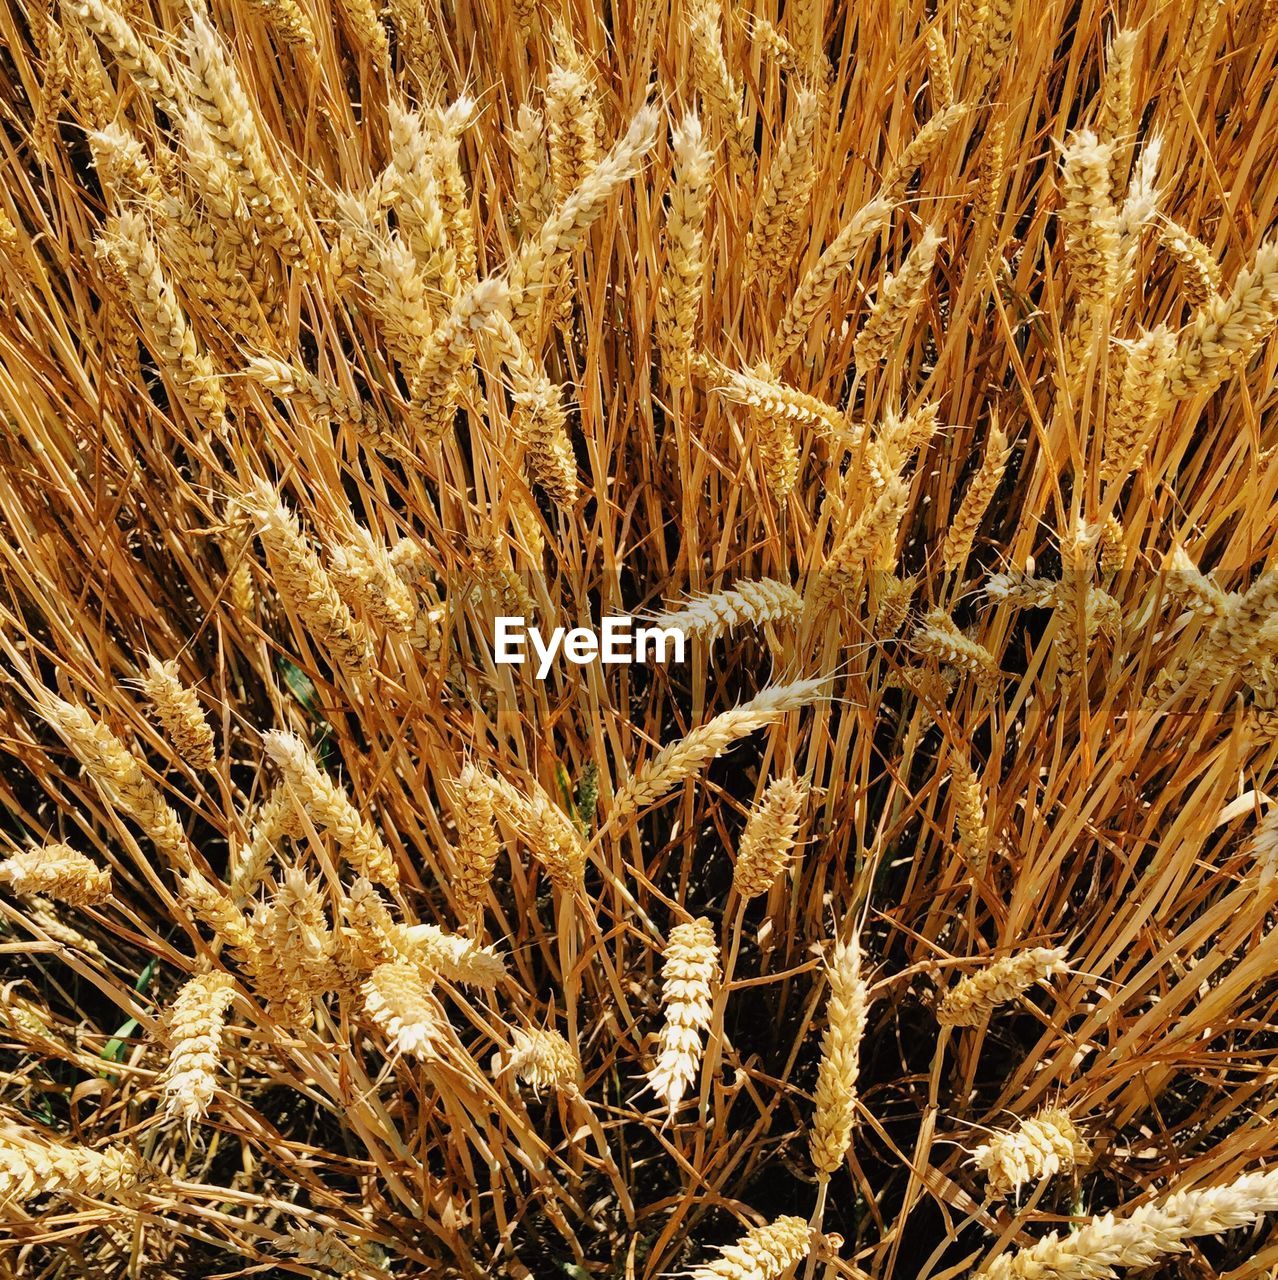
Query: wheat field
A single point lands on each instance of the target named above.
(913, 361)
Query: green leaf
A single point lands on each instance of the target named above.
(300, 685)
(113, 1050)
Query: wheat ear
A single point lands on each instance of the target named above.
(193, 1029)
(322, 400)
(477, 844)
(1044, 1145)
(763, 1253)
(303, 581)
(840, 1066)
(679, 301)
(218, 95)
(178, 709)
(680, 760)
(938, 636)
(58, 871)
(543, 1059)
(818, 284)
(718, 613)
(898, 297)
(1229, 329)
(1141, 397)
(128, 246)
(920, 150)
(969, 812)
(970, 999)
(32, 1165)
(719, 91)
(329, 807)
(690, 970)
(366, 579)
(401, 1005)
(541, 256)
(146, 68)
(772, 239)
(120, 775)
(976, 500)
(1101, 1245)
(768, 839)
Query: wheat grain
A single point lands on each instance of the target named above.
(296, 949)
(992, 42)
(842, 577)
(289, 19)
(893, 605)
(572, 129)
(1091, 222)
(534, 192)
(1115, 122)
(448, 352)
(758, 389)
(1022, 589)
(989, 184)
(218, 95)
(366, 32)
(275, 819)
(322, 400)
(541, 257)
(1078, 546)
(539, 417)
(451, 957)
(1198, 591)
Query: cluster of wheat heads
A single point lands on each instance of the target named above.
(916, 360)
